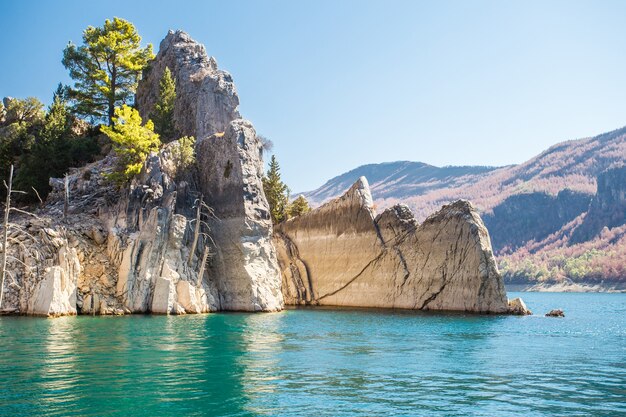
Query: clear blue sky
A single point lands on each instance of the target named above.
(337, 84)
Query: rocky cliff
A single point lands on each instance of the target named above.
(608, 207)
(206, 99)
(135, 250)
(343, 254)
(532, 216)
(199, 238)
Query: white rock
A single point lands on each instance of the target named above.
(55, 295)
(163, 297)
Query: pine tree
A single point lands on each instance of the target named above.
(276, 192)
(163, 115)
(23, 120)
(132, 142)
(299, 206)
(54, 150)
(183, 153)
(106, 68)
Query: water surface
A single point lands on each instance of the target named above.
(322, 362)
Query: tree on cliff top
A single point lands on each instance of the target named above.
(276, 192)
(132, 142)
(106, 68)
(163, 114)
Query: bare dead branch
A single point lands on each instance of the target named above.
(25, 212)
(38, 196)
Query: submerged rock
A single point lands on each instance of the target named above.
(342, 254)
(518, 307)
(555, 313)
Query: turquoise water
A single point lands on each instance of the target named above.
(320, 362)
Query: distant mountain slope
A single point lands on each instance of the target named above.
(539, 215)
(591, 248)
(399, 179)
(573, 164)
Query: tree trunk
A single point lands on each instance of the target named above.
(196, 232)
(5, 236)
(111, 112)
(205, 255)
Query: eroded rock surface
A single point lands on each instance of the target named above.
(130, 250)
(206, 99)
(230, 172)
(342, 254)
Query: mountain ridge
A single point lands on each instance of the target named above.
(536, 208)
(380, 174)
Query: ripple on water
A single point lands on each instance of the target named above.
(321, 362)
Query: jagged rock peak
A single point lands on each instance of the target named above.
(206, 97)
(339, 254)
(360, 192)
(395, 222)
(457, 208)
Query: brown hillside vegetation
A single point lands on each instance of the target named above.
(573, 165)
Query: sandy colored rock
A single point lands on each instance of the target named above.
(193, 299)
(518, 307)
(164, 296)
(342, 254)
(55, 295)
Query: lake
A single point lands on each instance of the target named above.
(322, 362)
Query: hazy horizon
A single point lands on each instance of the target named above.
(336, 85)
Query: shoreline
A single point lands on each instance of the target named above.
(569, 286)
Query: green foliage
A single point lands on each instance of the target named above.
(55, 148)
(132, 142)
(183, 153)
(276, 192)
(28, 111)
(106, 68)
(21, 122)
(40, 144)
(163, 115)
(298, 207)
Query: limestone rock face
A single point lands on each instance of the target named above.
(244, 270)
(206, 98)
(230, 172)
(55, 295)
(342, 254)
(149, 241)
(134, 246)
(163, 297)
(607, 208)
(43, 269)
